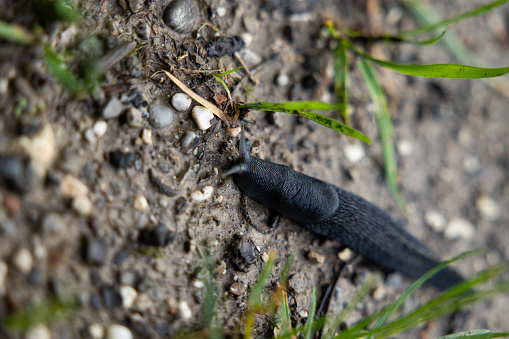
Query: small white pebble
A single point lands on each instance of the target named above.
(202, 194)
(282, 80)
(488, 208)
(459, 229)
(82, 205)
(198, 284)
(90, 136)
(118, 332)
(146, 136)
(140, 202)
(181, 102)
(346, 254)
(187, 139)
(265, 257)
(39, 331)
(435, 220)
(378, 292)
(23, 260)
(3, 274)
(354, 152)
(202, 116)
(471, 164)
(96, 331)
(134, 117)
(247, 38)
(100, 128)
(71, 187)
(128, 294)
(221, 11)
(405, 148)
(315, 257)
(185, 311)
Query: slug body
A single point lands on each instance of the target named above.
(337, 214)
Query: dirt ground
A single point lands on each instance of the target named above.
(80, 213)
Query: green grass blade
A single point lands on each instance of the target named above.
(444, 71)
(284, 315)
(227, 72)
(340, 80)
(418, 283)
(254, 299)
(299, 108)
(465, 334)
(60, 71)
(428, 41)
(311, 316)
(16, 33)
(285, 272)
(469, 14)
(384, 124)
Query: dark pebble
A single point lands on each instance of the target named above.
(111, 297)
(182, 15)
(225, 46)
(36, 276)
(95, 301)
(95, 278)
(121, 255)
(122, 160)
(95, 251)
(244, 253)
(180, 205)
(16, 173)
(309, 82)
(159, 236)
(164, 167)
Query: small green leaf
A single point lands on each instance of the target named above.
(59, 69)
(227, 72)
(340, 80)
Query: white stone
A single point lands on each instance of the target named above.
(354, 152)
(160, 116)
(203, 193)
(187, 139)
(488, 208)
(146, 136)
(3, 274)
(118, 332)
(40, 148)
(39, 331)
(185, 311)
(378, 292)
(346, 254)
(23, 260)
(247, 38)
(202, 116)
(96, 331)
(435, 220)
(82, 205)
(282, 80)
(129, 295)
(221, 11)
(181, 102)
(71, 187)
(134, 117)
(250, 57)
(459, 229)
(471, 164)
(90, 136)
(140, 202)
(405, 147)
(100, 128)
(198, 284)
(112, 109)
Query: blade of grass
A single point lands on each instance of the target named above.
(298, 108)
(16, 33)
(286, 270)
(311, 316)
(418, 283)
(384, 124)
(340, 80)
(284, 314)
(429, 27)
(227, 72)
(444, 71)
(59, 69)
(476, 334)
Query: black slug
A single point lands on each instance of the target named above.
(337, 214)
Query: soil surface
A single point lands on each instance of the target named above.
(110, 217)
